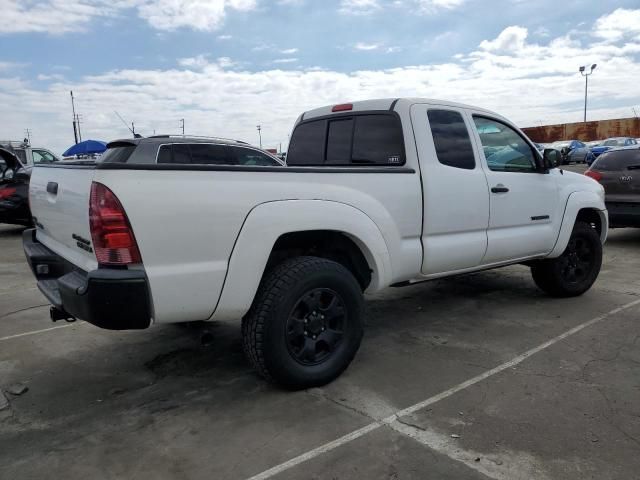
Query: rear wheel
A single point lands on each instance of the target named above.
(575, 271)
(305, 325)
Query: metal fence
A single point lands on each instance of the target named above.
(586, 132)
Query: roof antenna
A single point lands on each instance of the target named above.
(131, 129)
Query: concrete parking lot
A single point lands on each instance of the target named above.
(480, 376)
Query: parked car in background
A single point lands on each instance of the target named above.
(593, 143)
(618, 171)
(375, 194)
(610, 143)
(572, 151)
(14, 190)
(27, 154)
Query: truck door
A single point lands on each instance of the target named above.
(455, 192)
(525, 211)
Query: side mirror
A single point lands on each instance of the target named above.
(551, 158)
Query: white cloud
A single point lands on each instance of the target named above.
(621, 23)
(366, 46)
(358, 7)
(530, 82)
(196, 14)
(285, 60)
(48, 77)
(62, 16)
(289, 51)
(201, 61)
(510, 39)
(51, 16)
(198, 61)
(225, 37)
(7, 66)
(432, 6)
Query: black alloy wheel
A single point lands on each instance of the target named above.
(575, 271)
(577, 261)
(305, 324)
(315, 327)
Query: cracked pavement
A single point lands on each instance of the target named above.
(161, 404)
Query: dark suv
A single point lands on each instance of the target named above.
(619, 173)
(182, 150)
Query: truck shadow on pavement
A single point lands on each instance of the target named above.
(8, 231)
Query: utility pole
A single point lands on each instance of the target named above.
(27, 132)
(259, 127)
(133, 130)
(583, 72)
(73, 109)
(182, 122)
(78, 122)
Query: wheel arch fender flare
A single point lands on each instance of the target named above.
(267, 222)
(576, 203)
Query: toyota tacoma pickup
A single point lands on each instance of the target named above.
(374, 194)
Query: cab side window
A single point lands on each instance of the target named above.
(451, 139)
(504, 149)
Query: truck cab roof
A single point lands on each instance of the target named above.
(391, 104)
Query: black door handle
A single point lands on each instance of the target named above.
(52, 188)
(499, 189)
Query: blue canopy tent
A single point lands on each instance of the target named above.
(87, 147)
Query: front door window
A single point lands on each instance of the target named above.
(504, 149)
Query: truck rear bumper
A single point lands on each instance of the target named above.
(115, 299)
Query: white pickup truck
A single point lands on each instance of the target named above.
(375, 194)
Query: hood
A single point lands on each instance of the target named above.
(10, 159)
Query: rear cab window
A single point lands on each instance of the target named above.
(117, 152)
(355, 139)
(618, 160)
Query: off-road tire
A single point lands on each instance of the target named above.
(552, 275)
(265, 326)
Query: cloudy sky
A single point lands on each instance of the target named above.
(226, 66)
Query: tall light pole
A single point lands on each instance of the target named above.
(182, 122)
(259, 127)
(583, 72)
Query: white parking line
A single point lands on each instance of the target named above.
(327, 447)
(35, 332)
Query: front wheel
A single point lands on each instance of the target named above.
(575, 271)
(305, 325)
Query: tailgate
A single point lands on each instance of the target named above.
(59, 199)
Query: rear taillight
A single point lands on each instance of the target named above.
(596, 175)
(6, 192)
(113, 239)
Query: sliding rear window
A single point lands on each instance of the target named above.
(618, 160)
(359, 139)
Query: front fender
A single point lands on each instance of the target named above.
(264, 225)
(575, 202)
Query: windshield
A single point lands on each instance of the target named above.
(560, 144)
(614, 142)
